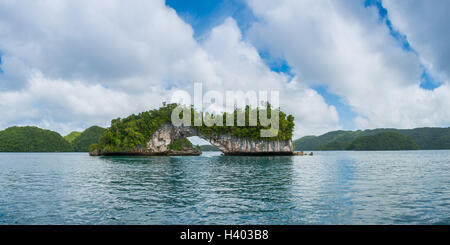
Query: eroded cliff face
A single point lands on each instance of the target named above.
(229, 145)
(166, 134)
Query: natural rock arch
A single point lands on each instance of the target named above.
(228, 144)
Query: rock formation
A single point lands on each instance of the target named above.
(229, 145)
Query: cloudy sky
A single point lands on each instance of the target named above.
(338, 64)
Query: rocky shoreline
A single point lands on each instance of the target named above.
(190, 152)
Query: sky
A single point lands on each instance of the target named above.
(338, 64)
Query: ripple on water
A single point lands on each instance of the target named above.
(408, 187)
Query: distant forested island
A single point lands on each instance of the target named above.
(34, 139)
(90, 136)
(378, 139)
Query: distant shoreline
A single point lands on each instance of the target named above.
(377, 139)
(11, 140)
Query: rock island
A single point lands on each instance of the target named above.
(152, 133)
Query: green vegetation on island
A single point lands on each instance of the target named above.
(179, 144)
(133, 133)
(73, 135)
(285, 131)
(32, 139)
(87, 138)
(425, 138)
(383, 141)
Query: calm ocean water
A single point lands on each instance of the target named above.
(408, 187)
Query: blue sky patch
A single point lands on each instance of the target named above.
(427, 82)
(203, 15)
(346, 114)
(1, 71)
(276, 64)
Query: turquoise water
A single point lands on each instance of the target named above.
(409, 187)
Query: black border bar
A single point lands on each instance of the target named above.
(224, 234)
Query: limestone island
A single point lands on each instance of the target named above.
(151, 133)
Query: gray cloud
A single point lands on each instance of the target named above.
(68, 65)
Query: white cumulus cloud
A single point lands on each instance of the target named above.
(347, 47)
(69, 64)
